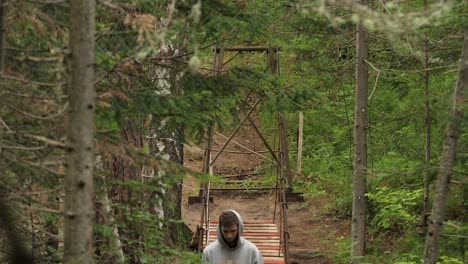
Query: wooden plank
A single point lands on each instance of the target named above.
(248, 228)
(264, 229)
(250, 221)
(253, 226)
(250, 48)
(273, 260)
(275, 247)
(242, 188)
(263, 233)
(253, 233)
(250, 225)
(271, 253)
(258, 241)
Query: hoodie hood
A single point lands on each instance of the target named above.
(240, 229)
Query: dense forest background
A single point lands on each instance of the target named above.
(149, 88)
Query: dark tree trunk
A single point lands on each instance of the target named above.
(452, 132)
(125, 169)
(427, 156)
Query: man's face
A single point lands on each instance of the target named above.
(229, 232)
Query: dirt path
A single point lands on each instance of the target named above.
(311, 235)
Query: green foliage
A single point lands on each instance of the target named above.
(141, 231)
(392, 248)
(317, 77)
(391, 209)
(341, 254)
(235, 21)
(453, 241)
(449, 260)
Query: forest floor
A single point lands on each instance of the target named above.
(313, 233)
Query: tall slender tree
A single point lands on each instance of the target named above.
(165, 135)
(427, 118)
(452, 132)
(358, 231)
(79, 185)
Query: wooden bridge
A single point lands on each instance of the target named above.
(270, 236)
(264, 234)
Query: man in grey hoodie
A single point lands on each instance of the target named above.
(231, 247)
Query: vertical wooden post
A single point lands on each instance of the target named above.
(207, 168)
(3, 27)
(275, 69)
(284, 168)
(299, 142)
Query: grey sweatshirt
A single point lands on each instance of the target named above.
(219, 252)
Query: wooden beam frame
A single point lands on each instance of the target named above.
(251, 48)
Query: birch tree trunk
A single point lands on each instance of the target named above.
(79, 185)
(358, 231)
(431, 248)
(166, 145)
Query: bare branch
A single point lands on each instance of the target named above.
(33, 82)
(37, 59)
(5, 125)
(41, 166)
(21, 147)
(58, 238)
(17, 194)
(112, 5)
(34, 97)
(60, 112)
(41, 209)
(376, 79)
(46, 140)
(454, 235)
(47, 1)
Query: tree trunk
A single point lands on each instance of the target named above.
(79, 185)
(358, 231)
(166, 145)
(431, 248)
(123, 169)
(106, 214)
(427, 156)
(3, 27)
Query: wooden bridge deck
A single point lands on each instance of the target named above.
(264, 234)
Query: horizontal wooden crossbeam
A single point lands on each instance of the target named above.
(249, 48)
